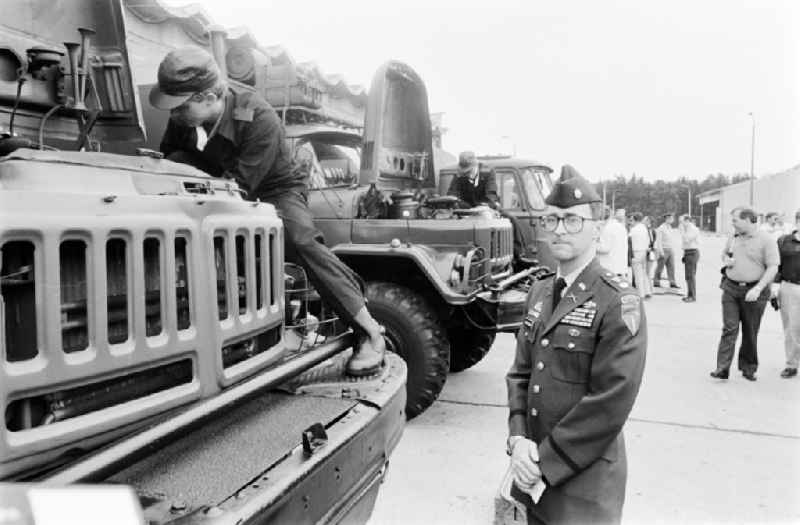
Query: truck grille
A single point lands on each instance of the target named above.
(501, 248)
(116, 304)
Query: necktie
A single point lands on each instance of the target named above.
(558, 289)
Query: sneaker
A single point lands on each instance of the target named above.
(366, 359)
(789, 372)
(656, 284)
(750, 376)
(673, 285)
(688, 299)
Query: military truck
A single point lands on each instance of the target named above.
(151, 333)
(439, 278)
(522, 185)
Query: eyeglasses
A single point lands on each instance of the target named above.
(196, 97)
(572, 223)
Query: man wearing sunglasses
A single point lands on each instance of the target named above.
(239, 136)
(576, 373)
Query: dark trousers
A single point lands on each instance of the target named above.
(668, 260)
(690, 258)
(736, 310)
(339, 286)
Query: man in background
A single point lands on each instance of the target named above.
(474, 186)
(751, 261)
(612, 247)
(665, 251)
(640, 244)
(690, 238)
(773, 225)
(786, 290)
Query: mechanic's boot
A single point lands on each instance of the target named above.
(366, 359)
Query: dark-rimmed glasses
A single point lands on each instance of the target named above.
(572, 223)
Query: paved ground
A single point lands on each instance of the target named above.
(699, 450)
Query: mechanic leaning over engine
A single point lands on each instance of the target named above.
(239, 136)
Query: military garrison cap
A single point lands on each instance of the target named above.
(571, 189)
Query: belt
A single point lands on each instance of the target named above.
(791, 281)
(741, 283)
(689, 250)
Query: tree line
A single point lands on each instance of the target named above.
(662, 197)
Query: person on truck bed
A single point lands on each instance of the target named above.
(239, 136)
(475, 186)
(472, 185)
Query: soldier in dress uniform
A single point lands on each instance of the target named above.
(576, 373)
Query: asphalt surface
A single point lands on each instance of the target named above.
(700, 450)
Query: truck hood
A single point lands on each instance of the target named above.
(398, 148)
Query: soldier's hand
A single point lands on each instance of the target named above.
(526, 471)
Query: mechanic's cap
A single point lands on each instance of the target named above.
(181, 74)
(466, 161)
(571, 189)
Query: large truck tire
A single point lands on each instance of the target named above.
(414, 332)
(468, 346)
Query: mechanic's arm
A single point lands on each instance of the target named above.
(174, 139)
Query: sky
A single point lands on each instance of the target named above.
(660, 89)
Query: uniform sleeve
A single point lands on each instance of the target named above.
(587, 430)
(517, 380)
(258, 147)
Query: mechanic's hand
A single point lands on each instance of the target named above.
(752, 294)
(526, 471)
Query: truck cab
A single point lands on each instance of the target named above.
(522, 185)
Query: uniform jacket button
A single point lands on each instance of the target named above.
(540, 366)
(545, 342)
(571, 345)
(536, 389)
(534, 412)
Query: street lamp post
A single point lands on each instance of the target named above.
(752, 156)
(688, 198)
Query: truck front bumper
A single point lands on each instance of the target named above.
(335, 482)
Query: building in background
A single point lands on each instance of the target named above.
(779, 192)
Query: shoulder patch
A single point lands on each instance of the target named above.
(631, 311)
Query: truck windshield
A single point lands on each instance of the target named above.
(537, 185)
(329, 165)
